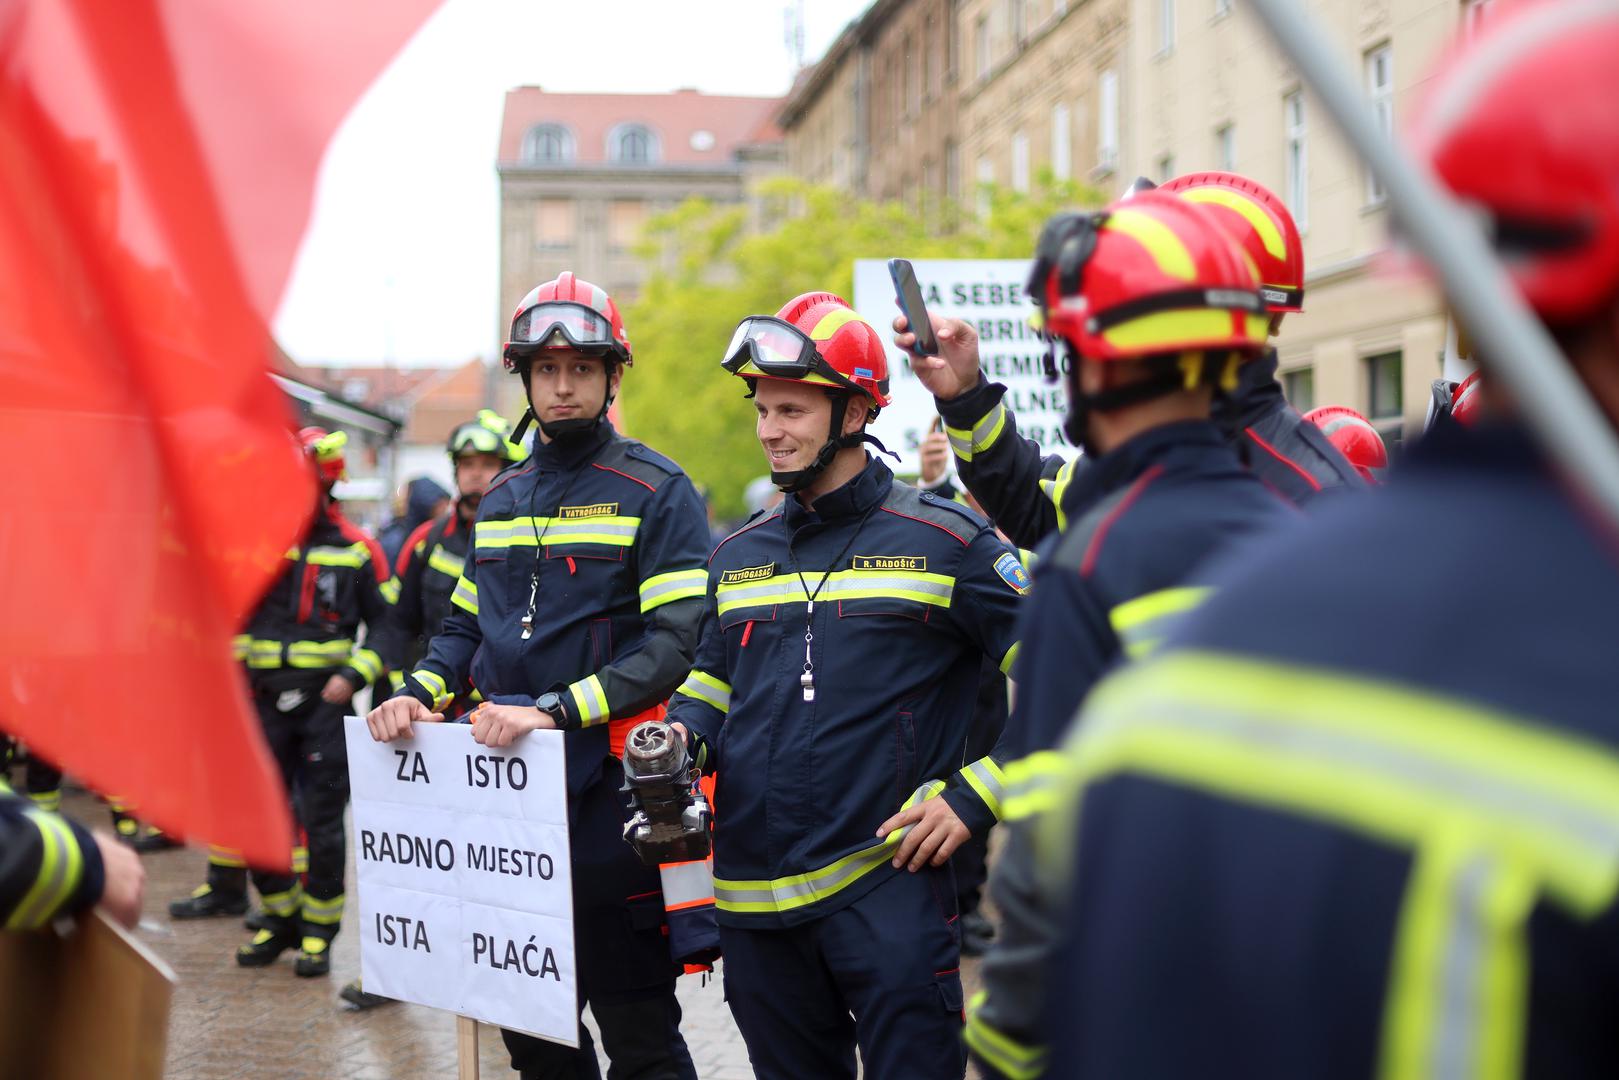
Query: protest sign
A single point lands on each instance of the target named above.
(988, 293)
(465, 883)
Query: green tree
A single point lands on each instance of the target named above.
(712, 271)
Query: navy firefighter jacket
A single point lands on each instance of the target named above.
(1376, 832)
(914, 591)
(605, 538)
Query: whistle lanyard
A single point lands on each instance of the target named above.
(807, 679)
(539, 551)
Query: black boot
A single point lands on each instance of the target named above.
(268, 944)
(359, 1000)
(314, 958)
(207, 903)
(151, 840)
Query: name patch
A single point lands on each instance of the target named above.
(889, 562)
(748, 573)
(594, 510)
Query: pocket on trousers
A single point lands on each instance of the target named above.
(951, 997)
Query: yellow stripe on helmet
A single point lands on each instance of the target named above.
(1251, 211)
(832, 322)
(1159, 239)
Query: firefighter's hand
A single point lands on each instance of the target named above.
(125, 880)
(498, 725)
(935, 834)
(337, 691)
(955, 370)
(392, 719)
(935, 457)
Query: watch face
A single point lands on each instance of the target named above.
(548, 702)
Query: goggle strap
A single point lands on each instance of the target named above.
(1220, 299)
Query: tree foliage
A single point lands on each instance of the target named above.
(712, 270)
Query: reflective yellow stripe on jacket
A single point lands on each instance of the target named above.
(981, 437)
(61, 867)
(1057, 487)
(1497, 815)
(1142, 624)
(924, 588)
(265, 654)
(544, 531)
(802, 890)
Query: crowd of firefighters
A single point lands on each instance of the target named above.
(1299, 778)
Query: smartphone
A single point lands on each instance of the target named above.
(908, 295)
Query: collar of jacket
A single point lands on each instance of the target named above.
(868, 487)
(561, 455)
(1257, 395)
(1121, 466)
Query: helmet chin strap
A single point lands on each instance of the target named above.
(798, 479)
(1180, 373)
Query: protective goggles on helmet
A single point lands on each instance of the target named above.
(771, 347)
(561, 324)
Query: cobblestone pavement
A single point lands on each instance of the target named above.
(235, 1022)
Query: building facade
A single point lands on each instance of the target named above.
(580, 175)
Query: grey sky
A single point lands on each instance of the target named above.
(400, 258)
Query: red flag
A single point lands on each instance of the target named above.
(157, 165)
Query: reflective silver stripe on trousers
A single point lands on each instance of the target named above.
(686, 883)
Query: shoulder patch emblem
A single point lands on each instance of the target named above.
(888, 562)
(594, 510)
(748, 573)
(1012, 572)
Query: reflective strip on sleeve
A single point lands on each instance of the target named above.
(998, 1050)
(434, 685)
(390, 590)
(707, 689)
(1143, 623)
(225, 857)
(687, 884)
(446, 563)
(367, 663)
(465, 595)
(61, 866)
(589, 701)
(1010, 658)
(323, 912)
(802, 890)
(529, 531)
(263, 654)
(1032, 784)
(396, 681)
(1057, 487)
(240, 645)
(676, 585)
(981, 437)
(916, 586)
(987, 780)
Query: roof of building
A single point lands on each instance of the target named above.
(678, 120)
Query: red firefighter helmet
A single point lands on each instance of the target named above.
(1464, 404)
(1520, 123)
(326, 450)
(1150, 275)
(566, 314)
(1354, 436)
(815, 338)
(1260, 223)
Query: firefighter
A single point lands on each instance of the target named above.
(579, 611)
(1155, 306)
(50, 867)
(304, 664)
(1360, 443)
(1372, 828)
(831, 697)
(1023, 491)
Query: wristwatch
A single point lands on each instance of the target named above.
(555, 704)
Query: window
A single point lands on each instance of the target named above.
(1225, 147)
(1062, 155)
(981, 47)
(1380, 89)
(986, 177)
(624, 220)
(1299, 386)
(632, 144)
(912, 79)
(1020, 161)
(1383, 386)
(1166, 168)
(952, 169)
(553, 224)
(1166, 26)
(950, 59)
(1019, 20)
(547, 144)
(928, 62)
(1298, 159)
(1107, 119)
